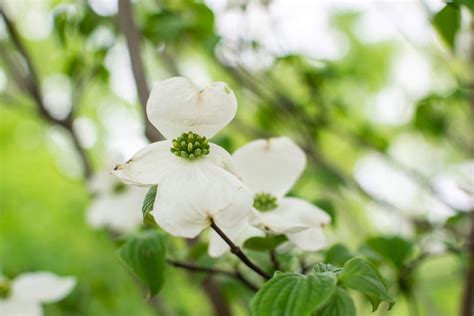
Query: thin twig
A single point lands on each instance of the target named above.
(274, 260)
(195, 268)
(238, 252)
(132, 36)
(31, 84)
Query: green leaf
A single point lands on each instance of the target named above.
(325, 267)
(338, 255)
(340, 304)
(145, 254)
(468, 3)
(394, 249)
(264, 243)
(292, 294)
(328, 207)
(447, 23)
(147, 207)
(430, 116)
(360, 275)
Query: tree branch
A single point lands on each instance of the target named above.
(238, 252)
(31, 84)
(274, 260)
(195, 268)
(132, 36)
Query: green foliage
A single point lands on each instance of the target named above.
(328, 207)
(293, 294)
(468, 3)
(337, 254)
(325, 267)
(145, 254)
(147, 207)
(430, 118)
(447, 23)
(394, 249)
(264, 243)
(360, 275)
(340, 304)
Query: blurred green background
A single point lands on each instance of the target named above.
(377, 94)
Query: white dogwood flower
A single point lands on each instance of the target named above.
(196, 179)
(269, 168)
(115, 204)
(25, 294)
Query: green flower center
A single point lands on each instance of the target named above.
(190, 145)
(4, 288)
(264, 202)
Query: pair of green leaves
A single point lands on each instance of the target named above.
(323, 290)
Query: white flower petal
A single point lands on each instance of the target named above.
(311, 239)
(102, 181)
(120, 211)
(238, 233)
(44, 287)
(196, 193)
(149, 165)
(221, 158)
(14, 307)
(177, 106)
(154, 162)
(270, 166)
(291, 216)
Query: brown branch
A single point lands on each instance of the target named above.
(132, 36)
(195, 268)
(239, 253)
(274, 260)
(218, 300)
(31, 84)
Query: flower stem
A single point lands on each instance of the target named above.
(238, 252)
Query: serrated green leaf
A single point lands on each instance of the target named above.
(394, 249)
(145, 254)
(338, 255)
(289, 294)
(340, 304)
(360, 275)
(447, 23)
(321, 267)
(147, 207)
(264, 243)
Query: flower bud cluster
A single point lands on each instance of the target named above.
(190, 145)
(264, 201)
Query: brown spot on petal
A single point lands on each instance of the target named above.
(119, 167)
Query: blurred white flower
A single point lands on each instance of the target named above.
(25, 294)
(270, 168)
(456, 185)
(196, 180)
(115, 205)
